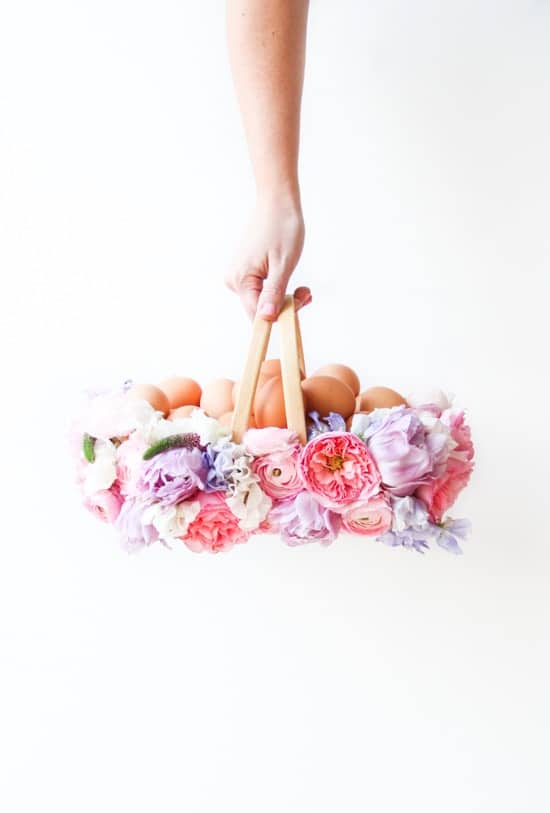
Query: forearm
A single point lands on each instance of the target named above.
(267, 53)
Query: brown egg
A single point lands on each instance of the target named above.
(269, 404)
(152, 394)
(217, 397)
(342, 373)
(269, 369)
(181, 391)
(377, 397)
(325, 394)
(226, 418)
(181, 412)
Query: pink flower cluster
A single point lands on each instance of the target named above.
(393, 477)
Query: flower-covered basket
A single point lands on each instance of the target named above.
(388, 472)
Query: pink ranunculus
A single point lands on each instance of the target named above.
(368, 517)
(440, 494)
(129, 462)
(269, 441)
(215, 528)
(105, 504)
(338, 468)
(279, 473)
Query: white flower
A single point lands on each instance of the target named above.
(172, 521)
(435, 396)
(250, 505)
(208, 429)
(100, 474)
(113, 414)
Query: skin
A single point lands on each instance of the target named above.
(267, 41)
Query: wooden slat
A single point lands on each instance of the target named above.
(290, 368)
(261, 331)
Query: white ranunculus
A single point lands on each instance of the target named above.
(100, 474)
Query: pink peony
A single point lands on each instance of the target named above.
(440, 494)
(216, 527)
(105, 504)
(338, 468)
(368, 517)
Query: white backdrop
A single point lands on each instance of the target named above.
(352, 678)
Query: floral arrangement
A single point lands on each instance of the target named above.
(391, 477)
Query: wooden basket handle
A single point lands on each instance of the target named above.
(292, 365)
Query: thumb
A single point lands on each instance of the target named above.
(273, 292)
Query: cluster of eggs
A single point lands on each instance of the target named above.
(332, 388)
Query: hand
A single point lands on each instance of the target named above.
(269, 253)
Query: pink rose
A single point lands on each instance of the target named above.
(216, 527)
(270, 440)
(106, 504)
(338, 468)
(368, 517)
(440, 494)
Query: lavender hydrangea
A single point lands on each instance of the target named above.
(333, 422)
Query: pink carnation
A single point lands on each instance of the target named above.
(368, 517)
(440, 494)
(338, 468)
(216, 527)
(105, 504)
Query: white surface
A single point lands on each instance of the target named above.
(354, 678)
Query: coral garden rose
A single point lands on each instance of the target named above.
(173, 475)
(369, 517)
(303, 519)
(215, 528)
(338, 468)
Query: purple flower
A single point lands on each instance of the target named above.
(303, 519)
(406, 452)
(173, 476)
(133, 526)
(450, 532)
(333, 422)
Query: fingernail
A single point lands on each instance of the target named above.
(267, 310)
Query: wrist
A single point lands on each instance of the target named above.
(282, 196)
